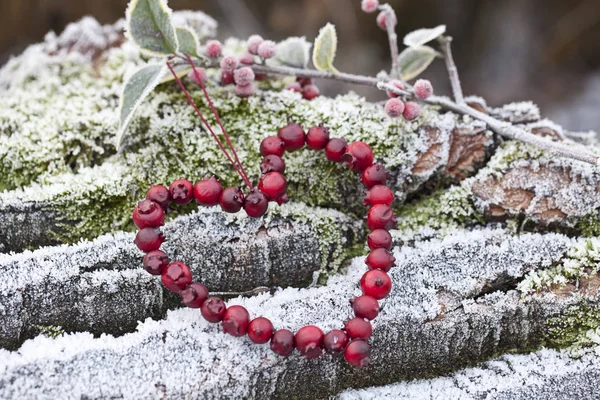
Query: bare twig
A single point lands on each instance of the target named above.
(256, 290)
(390, 23)
(452, 70)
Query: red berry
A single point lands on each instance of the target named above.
(304, 81)
(149, 239)
(309, 341)
(260, 330)
(358, 328)
(181, 191)
(198, 76)
(160, 195)
(226, 77)
(207, 192)
(411, 110)
(381, 216)
(396, 84)
(272, 145)
(253, 42)
(310, 92)
(423, 89)
(282, 342)
(272, 163)
(317, 137)
(232, 200)
(293, 136)
(272, 184)
(148, 214)
(369, 6)
(236, 320)
(382, 20)
(243, 76)
(379, 239)
(194, 295)
(335, 342)
(247, 59)
(376, 283)
(365, 307)
(358, 353)
(380, 259)
(176, 276)
(335, 148)
(379, 194)
(214, 48)
(374, 174)
(394, 108)
(294, 87)
(358, 156)
(229, 63)
(256, 203)
(213, 309)
(244, 91)
(155, 262)
(267, 49)
(283, 199)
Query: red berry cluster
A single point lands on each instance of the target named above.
(352, 339)
(305, 86)
(410, 110)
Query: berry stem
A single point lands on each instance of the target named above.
(256, 290)
(392, 38)
(452, 70)
(191, 101)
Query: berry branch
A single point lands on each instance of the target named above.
(452, 70)
(390, 26)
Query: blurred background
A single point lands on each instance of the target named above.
(547, 51)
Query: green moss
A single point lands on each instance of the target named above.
(576, 328)
(50, 331)
(589, 225)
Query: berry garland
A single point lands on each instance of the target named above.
(352, 339)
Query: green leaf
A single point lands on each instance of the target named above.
(414, 60)
(188, 41)
(136, 89)
(422, 36)
(325, 48)
(150, 26)
(293, 52)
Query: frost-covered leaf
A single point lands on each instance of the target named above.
(139, 85)
(293, 52)
(325, 48)
(181, 70)
(414, 60)
(150, 26)
(422, 36)
(188, 41)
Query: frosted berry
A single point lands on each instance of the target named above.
(293, 136)
(376, 283)
(335, 342)
(358, 353)
(411, 110)
(247, 59)
(335, 149)
(317, 137)
(273, 184)
(207, 192)
(381, 216)
(226, 77)
(194, 295)
(267, 49)
(358, 156)
(155, 262)
(160, 195)
(365, 307)
(253, 42)
(149, 239)
(236, 320)
(272, 145)
(380, 259)
(369, 6)
(244, 91)
(304, 81)
(213, 309)
(379, 239)
(382, 20)
(294, 87)
(396, 84)
(181, 191)
(256, 203)
(243, 76)
(374, 174)
(358, 328)
(394, 108)
(176, 276)
(310, 92)
(282, 342)
(423, 89)
(272, 163)
(229, 63)
(379, 194)
(214, 48)
(148, 214)
(260, 330)
(198, 76)
(231, 200)
(309, 341)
